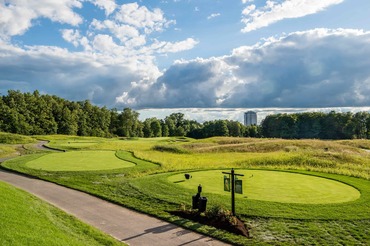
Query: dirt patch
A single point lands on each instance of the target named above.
(230, 224)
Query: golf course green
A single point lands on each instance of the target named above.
(275, 186)
(79, 161)
(295, 192)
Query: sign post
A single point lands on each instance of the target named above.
(236, 186)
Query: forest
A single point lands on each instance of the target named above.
(36, 114)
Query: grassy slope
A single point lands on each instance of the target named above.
(152, 194)
(9, 138)
(6, 151)
(26, 220)
(8, 141)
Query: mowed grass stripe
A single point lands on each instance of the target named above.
(79, 161)
(274, 186)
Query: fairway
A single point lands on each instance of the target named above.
(273, 186)
(79, 161)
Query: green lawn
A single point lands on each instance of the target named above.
(79, 161)
(334, 173)
(26, 220)
(273, 186)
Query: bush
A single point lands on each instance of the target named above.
(218, 212)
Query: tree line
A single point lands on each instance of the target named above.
(317, 125)
(36, 114)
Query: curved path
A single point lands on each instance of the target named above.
(123, 224)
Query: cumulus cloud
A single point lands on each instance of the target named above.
(274, 11)
(114, 62)
(16, 16)
(125, 33)
(315, 68)
(213, 16)
(108, 58)
(108, 5)
(75, 76)
(141, 17)
(168, 47)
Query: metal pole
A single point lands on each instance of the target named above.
(232, 192)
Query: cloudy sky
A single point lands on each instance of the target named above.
(189, 53)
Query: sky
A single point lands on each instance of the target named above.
(200, 55)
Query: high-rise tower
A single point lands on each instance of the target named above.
(250, 118)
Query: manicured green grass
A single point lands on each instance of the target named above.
(273, 186)
(146, 186)
(160, 187)
(79, 161)
(26, 220)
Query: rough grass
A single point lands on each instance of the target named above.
(6, 150)
(357, 143)
(26, 220)
(10, 138)
(314, 155)
(170, 149)
(269, 145)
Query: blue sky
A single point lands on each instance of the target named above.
(189, 53)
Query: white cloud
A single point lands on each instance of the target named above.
(72, 36)
(111, 54)
(315, 68)
(104, 43)
(120, 31)
(75, 76)
(16, 16)
(125, 34)
(168, 47)
(140, 17)
(108, 5)
(275, 11)
(249, 9)
(213, 16)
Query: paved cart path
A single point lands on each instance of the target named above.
(123, 224)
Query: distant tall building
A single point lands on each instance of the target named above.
(250, 118)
